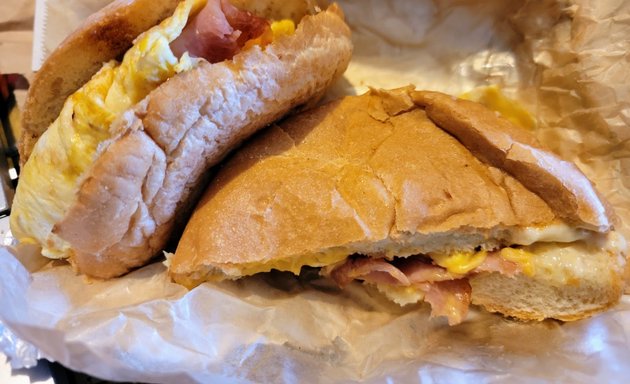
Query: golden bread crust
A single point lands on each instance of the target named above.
(500, 143)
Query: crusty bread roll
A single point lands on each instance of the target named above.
(145, 174)
(380, 177)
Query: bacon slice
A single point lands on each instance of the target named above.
(218, 32)
(449, 298)
(375, 271)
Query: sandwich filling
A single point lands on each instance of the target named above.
(198, 30)
(406, 275)
(443, 280)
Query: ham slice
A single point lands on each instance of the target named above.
(449, 298)
(449, 294)
(418, 271)
(495, 263)
(218, 32)
(375, 271)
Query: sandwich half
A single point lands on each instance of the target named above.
(421, 195)
(115, 154)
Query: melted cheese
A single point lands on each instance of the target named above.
(459, 263)
(289, 264)
(560, 233)
(570, 263)
(494, 99)
(278, 28)
(401, 295)
(520, 256)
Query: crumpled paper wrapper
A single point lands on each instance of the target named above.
(566, 62)
(56, 19)
(16, 34)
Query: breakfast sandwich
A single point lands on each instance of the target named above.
(115, 154)
(420, 195)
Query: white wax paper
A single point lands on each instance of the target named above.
(566, 62)
(16, 33)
